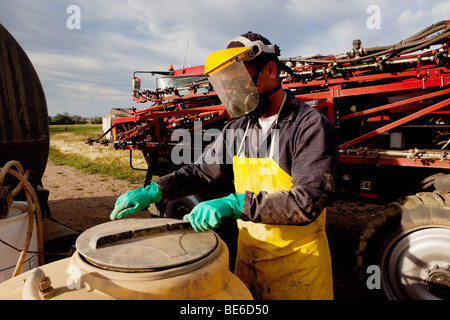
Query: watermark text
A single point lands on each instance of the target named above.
(374, 280)
(74, 20)
(374, 20)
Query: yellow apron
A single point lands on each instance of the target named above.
(280, 261)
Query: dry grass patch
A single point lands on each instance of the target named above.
(68, 147)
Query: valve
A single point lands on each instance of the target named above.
(37, 286)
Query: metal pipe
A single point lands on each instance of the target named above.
(409, 154)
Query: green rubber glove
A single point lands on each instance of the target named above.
(208, 214)
(136, 200)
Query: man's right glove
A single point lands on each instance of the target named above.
(136, 200)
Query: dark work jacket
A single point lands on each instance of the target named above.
(307, 151)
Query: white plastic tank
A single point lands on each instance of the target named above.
(13, 230)
(147, 259)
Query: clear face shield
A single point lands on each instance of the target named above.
(235, 89)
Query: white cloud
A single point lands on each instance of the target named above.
(88, 71)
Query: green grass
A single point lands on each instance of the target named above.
(67, 147)
(77, 129)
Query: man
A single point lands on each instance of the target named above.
(282, 167)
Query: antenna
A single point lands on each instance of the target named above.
(185, 54)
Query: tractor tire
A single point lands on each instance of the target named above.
(409, 240)
(176, 209)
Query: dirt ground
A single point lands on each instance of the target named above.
(80, 201)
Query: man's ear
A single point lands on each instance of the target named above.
(272, 70)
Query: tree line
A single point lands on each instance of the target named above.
(66, 118)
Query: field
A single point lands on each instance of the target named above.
(84, 182)
(68, 147)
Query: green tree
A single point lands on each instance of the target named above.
(64, 118)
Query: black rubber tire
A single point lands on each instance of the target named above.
(24, 130)
(176, 209)
(393, 236)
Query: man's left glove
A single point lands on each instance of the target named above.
(136, 200)
(208, 214)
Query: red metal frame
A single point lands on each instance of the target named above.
(396, 161)
(420, 82)
(422, 78)
(397, 123)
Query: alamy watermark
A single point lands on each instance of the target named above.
(223, 145)
(374, 279)
(73, 281)
(74, 20)
(374, 20)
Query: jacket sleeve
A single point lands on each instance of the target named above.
(313, 163)
(210, 174)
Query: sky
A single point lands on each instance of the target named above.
(85, 51)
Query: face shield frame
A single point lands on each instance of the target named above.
(231, 81)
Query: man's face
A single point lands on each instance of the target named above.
(235, 88)
(261, 81)
(251, 69)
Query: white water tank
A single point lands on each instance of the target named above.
(131, 258)
(13, 231)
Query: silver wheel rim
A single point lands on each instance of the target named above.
(412, 262)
